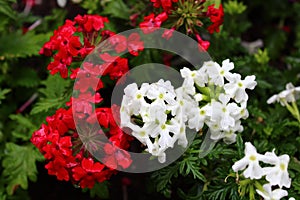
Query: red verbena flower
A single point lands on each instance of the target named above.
(67, 157)
(216, 16)
(90, 23)
(152, 23)
(165, 4)
(114, 66)
(88, 77)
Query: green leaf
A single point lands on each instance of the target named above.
(118, 9)
(240, 145)
(45, 105)
(100, 190)
(24, 128)
(3, 93)
(18, 45)
(5, 8)
(19, 166)
(55, 94)
(55, 86)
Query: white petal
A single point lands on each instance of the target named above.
(62, 3)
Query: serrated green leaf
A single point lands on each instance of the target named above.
(55, 86)
(18, 45)
(3, 93)
(100, 190)
(55, 94)
(24, 128)
(19, 166)
(118, 9)
(45, 105)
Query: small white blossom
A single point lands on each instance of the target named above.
(268, 194)
(278, 174)
(290, 94)
(251, 159)
(236, 87)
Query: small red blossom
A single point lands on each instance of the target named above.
(88, 77)
(114, 66)
(203, 45)
(83, 103)
(152, 23)
(57, 167)
(61, 121)
(116, 157)
(133, 44)
(165, 4)
(216, 16)
(168, 33)
(90, 23)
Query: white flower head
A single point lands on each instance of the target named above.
(236, 87)
(251, 161)
(268, 194)
(290, 94)
(155, 116)
(278, 174)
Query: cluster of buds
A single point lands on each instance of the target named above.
(190, 14)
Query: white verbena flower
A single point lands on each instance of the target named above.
(290, 94)
(155, 116)
(236, 87)
(251, 159)
(268, 194)
(278, 174)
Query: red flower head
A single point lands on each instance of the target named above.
(114, 66)
(165, 4)
(216, 17)
(151, 23)
(90, 23)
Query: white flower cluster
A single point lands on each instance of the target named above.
(289, 95)
(158, 114)
(161, 116)
(276, 174)
(220, 97)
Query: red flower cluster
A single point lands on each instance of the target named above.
(65, 45)
(216, 16)
(67, 157)
(187, 14)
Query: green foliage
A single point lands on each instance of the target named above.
(116, 8)
(100, 190)
(18, 45)
(6, 10)
(262, 57)
(25, 127)
(3, 93)
(55, 94)
(28, 78)
(234, 7)
(19, 166)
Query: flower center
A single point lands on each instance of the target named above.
(252, 157)
(138, 96)
(282, 166)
